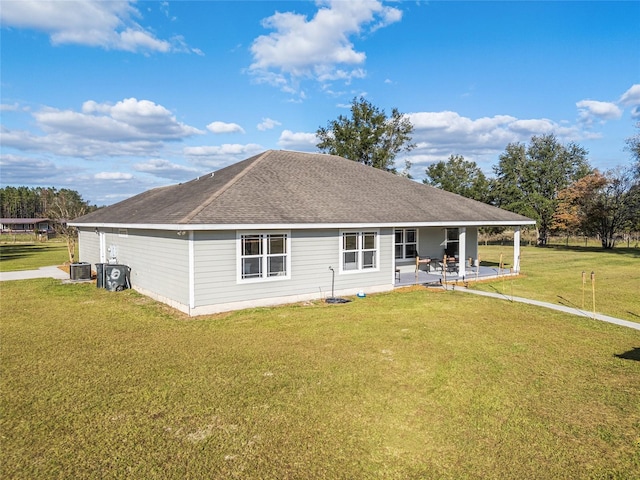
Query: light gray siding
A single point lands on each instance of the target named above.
(431, 242)
(88, 246)
(159, 260)
(312, 253)
(472, 242)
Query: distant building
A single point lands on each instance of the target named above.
(25, 225)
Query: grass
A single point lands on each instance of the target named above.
(30, 256)
(409, 384)
(554, 274)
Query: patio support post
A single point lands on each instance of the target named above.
(516, 249)
(462, 251)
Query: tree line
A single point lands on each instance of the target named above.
(59, 206)
(554, 184)
(546, 180)
(42, 202)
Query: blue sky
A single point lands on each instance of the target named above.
(114, 98)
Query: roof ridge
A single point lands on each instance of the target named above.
(190, 216)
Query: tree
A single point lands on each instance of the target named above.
(368, 137)
(459, 176)
(528, 179)
(65, 206)
(613, 209)
(605, 205)
(633, 145)
(570, 216)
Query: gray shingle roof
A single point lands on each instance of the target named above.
(282, 187)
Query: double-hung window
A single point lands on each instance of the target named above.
(359, 251)
(264, 256)
(451, 242)
(406, 240)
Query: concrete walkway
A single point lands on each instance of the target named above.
(42, 272)
(561, 308)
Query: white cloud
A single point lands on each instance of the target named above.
(95, 23)
(631, 98)
(301, 141)
(221, 155)
(225, 149)
(318, 48)
(222, 127)
(449, 129)
(267, 124)
(5, 107)
(130, 127)
(438, 135)
(20, 170)
(113, 176)
(590, 110)
(165, 169)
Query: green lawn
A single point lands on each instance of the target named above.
(554, 274)
(411, 384)
(30, 256)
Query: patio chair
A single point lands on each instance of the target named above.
(448, 264)
(423, 261)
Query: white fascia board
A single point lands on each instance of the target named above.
(298, 226)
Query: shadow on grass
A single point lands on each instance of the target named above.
(633, 252)
(10, 252)
(633, 354)
(568, 303)
(485, 263)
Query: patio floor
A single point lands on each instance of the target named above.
(407, 276)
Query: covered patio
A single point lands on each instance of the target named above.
(434, 255)
(406, 275)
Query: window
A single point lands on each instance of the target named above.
(451, 242)
(264, 256)
(123, 232)
(359, 251)
(406, 243)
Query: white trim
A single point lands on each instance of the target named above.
(192, 272)
(102, 237)
(404, 243)
(299, 226)
(462, 251)
(263, 237)
(393, 256)
(516, 250)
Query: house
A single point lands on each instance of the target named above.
(282, 227)
(25, 225)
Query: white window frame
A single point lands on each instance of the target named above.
(264, 256)
(359, 251)
(455, 240)
(404, 243)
